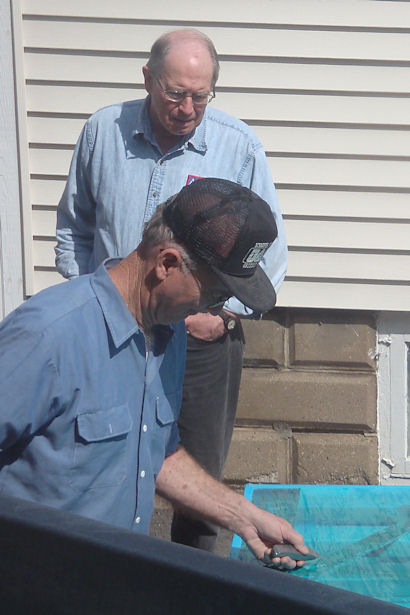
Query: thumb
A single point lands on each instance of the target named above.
(293, 537)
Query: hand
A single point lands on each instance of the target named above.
(182, 481)
(267, 530)
(205, 327)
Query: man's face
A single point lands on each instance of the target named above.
(187, 67)
(190, 292)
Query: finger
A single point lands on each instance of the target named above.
(279, 563)
(287, 563)
(300, 546)
(282, 563)
(300, 563)
(275, 562)
(259, 549)
(297, 540)
(275, 559)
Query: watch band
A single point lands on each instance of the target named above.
(229, 321)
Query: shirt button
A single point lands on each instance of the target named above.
(138, 519)
(155, 194)
(142, 474)
(144, 428)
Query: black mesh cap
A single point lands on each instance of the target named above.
(230, 228)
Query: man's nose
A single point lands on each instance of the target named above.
(186, 106)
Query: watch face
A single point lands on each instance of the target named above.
(229, 321)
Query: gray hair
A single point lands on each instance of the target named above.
(163, 44)
(157, 232)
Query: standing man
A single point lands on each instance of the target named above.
(129, 158)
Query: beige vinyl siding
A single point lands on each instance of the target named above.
(342, 13)
(324, 84)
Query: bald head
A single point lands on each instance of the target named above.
(181, 43)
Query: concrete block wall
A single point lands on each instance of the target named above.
(307, 408)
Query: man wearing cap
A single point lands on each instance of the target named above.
(91, 371)
(129, 158)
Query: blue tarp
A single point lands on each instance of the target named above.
(361, 532)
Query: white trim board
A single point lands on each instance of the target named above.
(393, 341)
(11, 258)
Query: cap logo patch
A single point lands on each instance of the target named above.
(254, 255)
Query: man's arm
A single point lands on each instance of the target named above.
(29, 383)
(76, 214)
(183, 482)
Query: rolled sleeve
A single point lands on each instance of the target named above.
(76, 213)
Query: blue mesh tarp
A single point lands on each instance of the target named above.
(361, 532)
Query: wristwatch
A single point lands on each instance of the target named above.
(229, 321)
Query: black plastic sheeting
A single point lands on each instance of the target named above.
(54, 562)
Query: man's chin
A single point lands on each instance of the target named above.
(183, 128)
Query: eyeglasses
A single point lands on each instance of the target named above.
(200, 99)
(220, 301)
(216, 297)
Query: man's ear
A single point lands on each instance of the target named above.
(148, 79)
(169, 260)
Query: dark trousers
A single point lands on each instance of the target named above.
(210, 397)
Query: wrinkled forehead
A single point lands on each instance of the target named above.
(188, 60)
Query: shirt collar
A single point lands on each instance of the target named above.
(142, 122)
(197, 139)
(120, 322)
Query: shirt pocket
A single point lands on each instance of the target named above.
(165, 433)
(100, 449)
(167, 409)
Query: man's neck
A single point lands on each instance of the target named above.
(166, 141)
(126, 277)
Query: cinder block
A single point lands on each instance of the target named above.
(258, 456)
(350, 459)
(161, 528)
(340, 339)
(264, 342)
(315, 400)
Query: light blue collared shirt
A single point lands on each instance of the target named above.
(118, 176)
(86, 418)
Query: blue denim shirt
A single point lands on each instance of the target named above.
(118, 176)
(86, 418)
